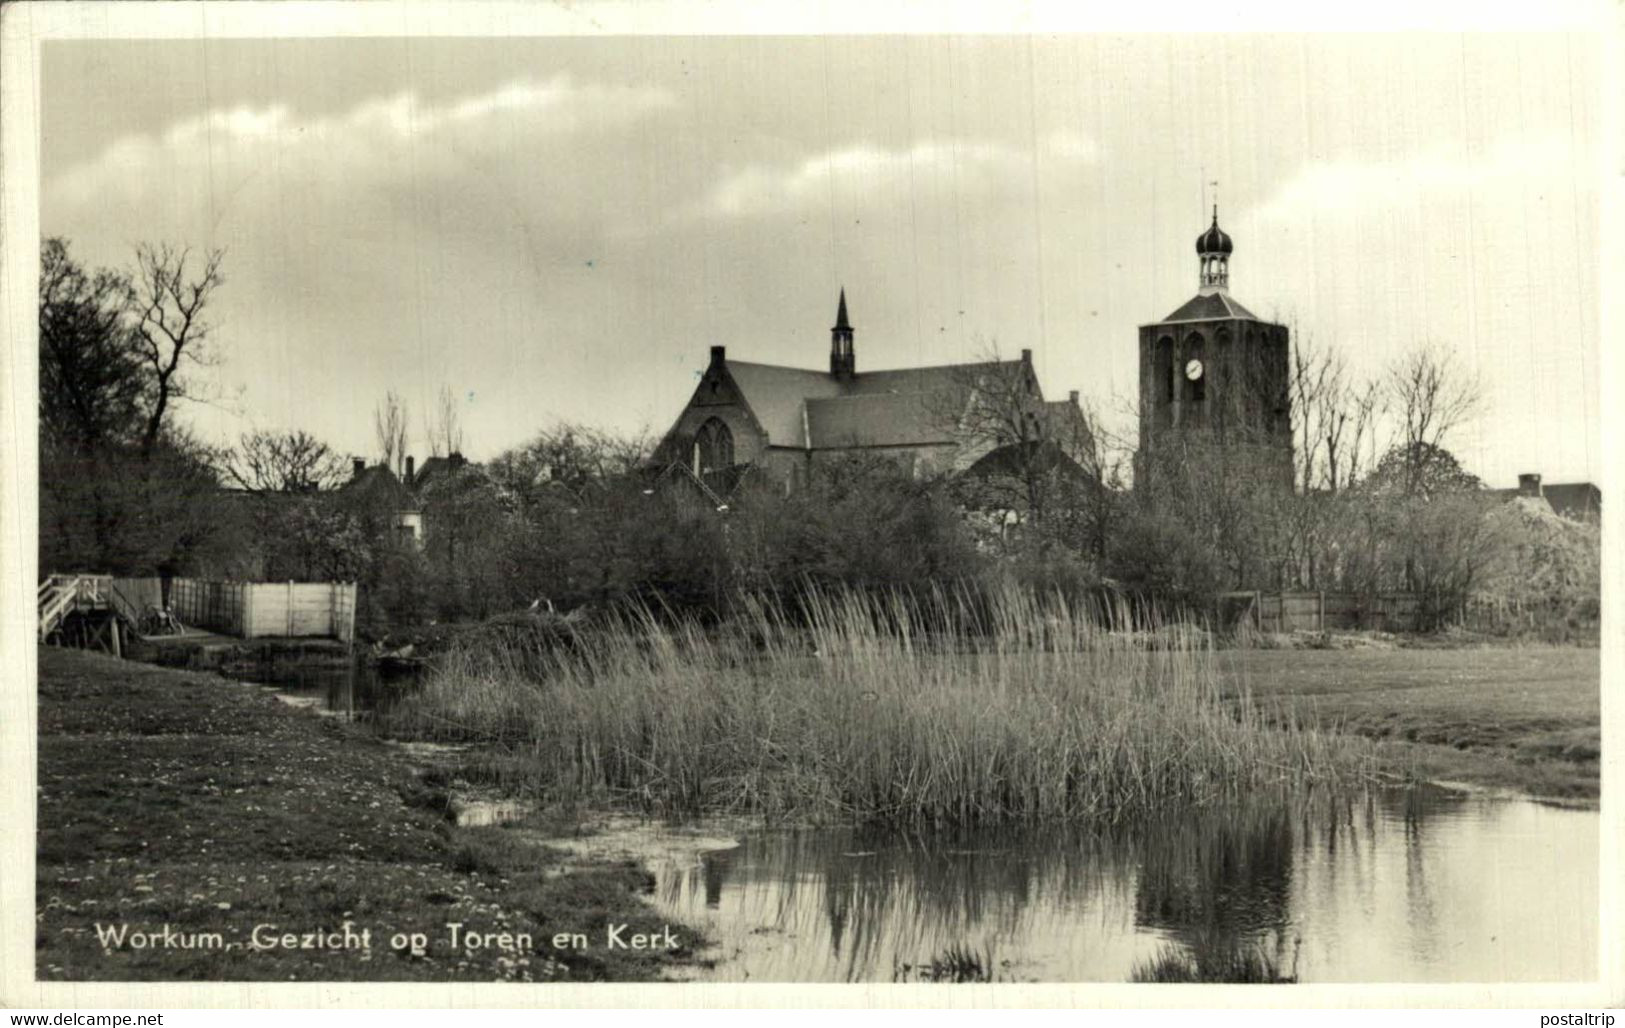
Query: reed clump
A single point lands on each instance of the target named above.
(943, 707)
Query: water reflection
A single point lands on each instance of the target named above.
(352, 689)
(1422, 885)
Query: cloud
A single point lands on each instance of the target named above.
(366, 139)
(973, 166)
(1345, 187)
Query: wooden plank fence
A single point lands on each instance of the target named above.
(254, 609)
(1319, 611)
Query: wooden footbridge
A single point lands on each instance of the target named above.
(94, 611)
(87, 611)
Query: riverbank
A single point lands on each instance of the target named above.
(210, 831)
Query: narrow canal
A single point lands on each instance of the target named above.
(1424, 885)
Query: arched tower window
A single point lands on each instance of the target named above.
(1219, 370)
(1165, 372)
(713, 447)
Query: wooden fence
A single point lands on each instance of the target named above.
(252, 609)
(1319, 611)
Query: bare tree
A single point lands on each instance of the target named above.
(1316, 384)
(572, 455)
(1028, 447)
(445, 432)
(1335, 420)
(389, 427)
(1431, 397)
(284, 462)
(170, 303)
(1364, 407)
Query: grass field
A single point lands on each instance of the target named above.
(1527, 719)
(169, 798)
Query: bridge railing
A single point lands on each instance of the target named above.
(57, 596)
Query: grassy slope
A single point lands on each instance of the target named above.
(182, 798)
(1528, 719)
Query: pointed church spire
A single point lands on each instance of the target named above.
(842, 363)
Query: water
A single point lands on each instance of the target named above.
(1426, 885)
(351, 689)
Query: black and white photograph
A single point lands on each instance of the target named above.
(932, 506)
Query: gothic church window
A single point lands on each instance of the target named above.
(713, 447)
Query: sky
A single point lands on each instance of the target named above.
(558, 229)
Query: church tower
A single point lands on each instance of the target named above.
(842, 363)
(1213, 376)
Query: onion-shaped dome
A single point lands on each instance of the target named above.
(1214, 240)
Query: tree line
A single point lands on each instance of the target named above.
(579, 516)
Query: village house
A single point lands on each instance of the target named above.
(1578, 501)
(399, 500)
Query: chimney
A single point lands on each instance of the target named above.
(1073, 397)
(456, 459)
(410, 468)
(1529, 485)
(718, 355)
(358, 464)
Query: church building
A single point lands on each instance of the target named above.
(1213, 384)
(1214, 376)
(782, 420)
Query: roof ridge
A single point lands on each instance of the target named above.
(777, 367)
(889, 395)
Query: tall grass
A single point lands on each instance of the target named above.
(944, 707)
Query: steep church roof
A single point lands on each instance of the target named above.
(801, 408)
(878, 419)
(775, 394)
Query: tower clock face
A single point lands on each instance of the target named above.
(1193, 369)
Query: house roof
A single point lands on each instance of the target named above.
(438, 467)
(1211, 307)
(1568, 498)
(1573, 497)
(802, 408)
(375, 480)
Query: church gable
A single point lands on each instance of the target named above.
(718, 428)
